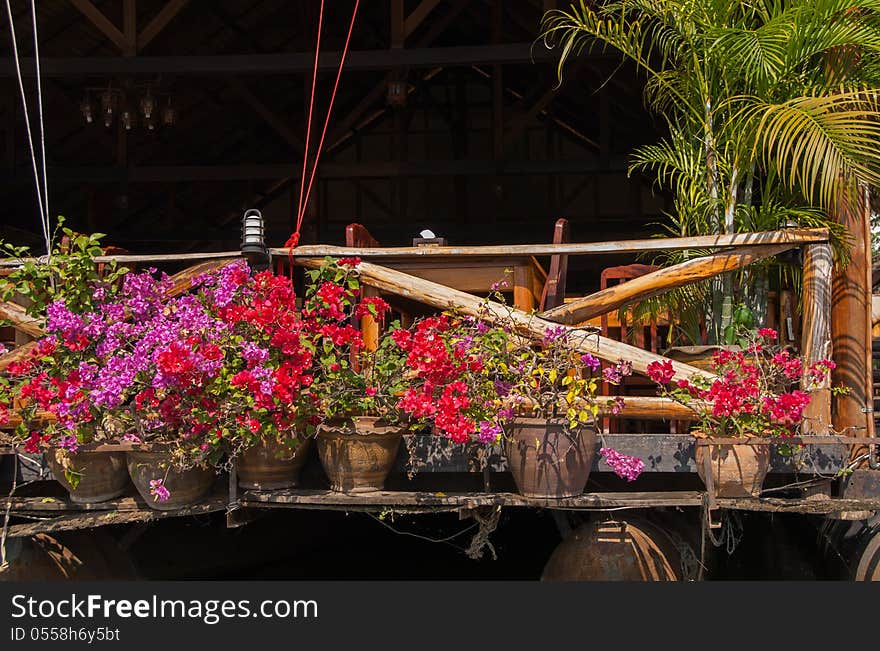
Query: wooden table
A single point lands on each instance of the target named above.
(522, 275)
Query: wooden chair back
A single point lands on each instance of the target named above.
(554, 288)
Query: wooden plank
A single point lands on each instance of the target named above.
(159, 22)
(816, 327)
(104, 518)
(445, 298)
(790, 236)
(659, 282)
(295, 497)
(19, 319)
(100, 21)
(787, 505)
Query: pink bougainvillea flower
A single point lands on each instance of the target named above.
(624, 466)
(158, 490)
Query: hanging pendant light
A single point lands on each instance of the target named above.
(85, 107)
(168, 114)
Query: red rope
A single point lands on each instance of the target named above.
(305, 191)
(302, 181)
(329, 108)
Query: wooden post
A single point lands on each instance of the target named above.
(850, 323)
(816, 341)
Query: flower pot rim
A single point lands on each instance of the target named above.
(352, 425)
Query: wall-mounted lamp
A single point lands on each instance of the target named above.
(253, 241)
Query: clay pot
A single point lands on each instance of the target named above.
(270, 465)
(737, 470)
(357, 453)
(547, 459)
(186, 487)
(103, 475)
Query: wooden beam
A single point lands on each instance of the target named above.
(19, 319)
(417, 16)
(101, 21)
(791, 237)
(18, 354)
(269, 117)
(129, 27)
(396, 14)
(521, 120)
(159, 22)
(816, 325)
(280, 63)
(387, 169)
(446, 298)
(660, 281)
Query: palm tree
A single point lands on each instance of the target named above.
(771, 105)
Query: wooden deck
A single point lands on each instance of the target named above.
(44, 514)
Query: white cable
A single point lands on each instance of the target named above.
(47, 225)
(27, 123)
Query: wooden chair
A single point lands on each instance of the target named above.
(554, 289)
(634, 385)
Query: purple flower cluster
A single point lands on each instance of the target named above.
(591, 362)
(489, 432)
(158, 490)
(553, 334)
(623, 465)
(615, 374)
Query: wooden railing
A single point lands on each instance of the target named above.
(721, 254)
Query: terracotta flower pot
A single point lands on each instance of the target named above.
(737, 470)
(547, 459)
(186, 487)
(357, 453)
(270, 465)
(103, 475)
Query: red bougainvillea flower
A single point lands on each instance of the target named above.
(661, 372)
(768, 333)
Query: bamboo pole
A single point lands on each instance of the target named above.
(794, 237)
(660, 281)
(446, 298)
(816, 328)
